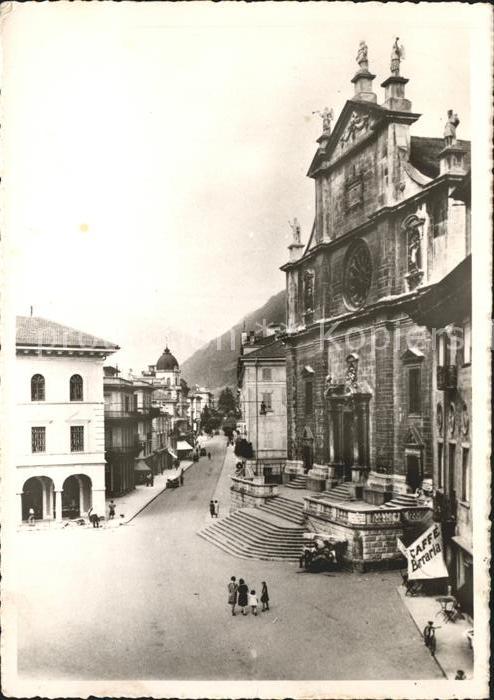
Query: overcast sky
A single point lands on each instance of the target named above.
(155, 152)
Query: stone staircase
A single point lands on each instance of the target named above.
(250, 533)
(285, 508)
(299, 482)
(341, 492)
(405, 500)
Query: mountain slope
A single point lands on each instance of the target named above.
(215, 364)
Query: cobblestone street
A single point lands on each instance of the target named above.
(148, 600)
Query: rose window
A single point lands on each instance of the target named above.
(358, 275)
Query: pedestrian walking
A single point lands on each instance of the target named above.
(460, 675)
(243, 591)
(209, 455)
(232, 593)
(181, 477)
(30, 516)
(111, 509)
(211, 508)
(94, 518)
(264, 597)
(253, 602)
(216, 509)
(429, 635)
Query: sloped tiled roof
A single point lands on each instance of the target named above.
(36, 331)
(424, 154)
(274, 349)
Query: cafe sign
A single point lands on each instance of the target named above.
(425, 555)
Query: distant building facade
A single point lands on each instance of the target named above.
(59, 418)
(199, 398)
(121, 437)
(262, 400)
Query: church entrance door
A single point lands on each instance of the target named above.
(348, 439)
(414, 477)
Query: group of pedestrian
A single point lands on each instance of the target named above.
(214, 508)
(150, 479)
(238, 594)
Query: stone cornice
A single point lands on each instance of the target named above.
(25, 351)
(447, 178)
(392, 304)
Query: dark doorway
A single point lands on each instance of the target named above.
(465, 592)
(32, 497)
(307, 454)
(450, 484)
(348, 444)
(414, 476)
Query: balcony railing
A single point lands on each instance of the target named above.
(355, 518)
(132, 414)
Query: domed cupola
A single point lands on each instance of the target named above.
(167, 362)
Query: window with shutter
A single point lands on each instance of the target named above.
(77, 438)
(76, 388)
(37, 388)
(38, 439)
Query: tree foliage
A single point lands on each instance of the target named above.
(227, 403)
(210, 419)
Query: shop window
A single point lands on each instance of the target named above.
(266, 374)
(38, 439)
(76, 387)
(309, 398)
(414, 403)
(77, 438)
(465, 475)
(37, 388)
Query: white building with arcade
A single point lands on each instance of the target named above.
(59, 420)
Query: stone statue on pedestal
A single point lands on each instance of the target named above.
(327, 117)
(450, 128)
(362, 57)
(295, 226)
(397, 55)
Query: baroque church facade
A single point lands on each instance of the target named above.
(386, 226)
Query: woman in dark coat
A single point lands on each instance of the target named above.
(243, 591)
(264, 596)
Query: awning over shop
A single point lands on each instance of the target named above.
(463, 543)
(183, 446)
(172, 453)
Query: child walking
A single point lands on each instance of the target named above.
(253, 602)
(264, 597)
